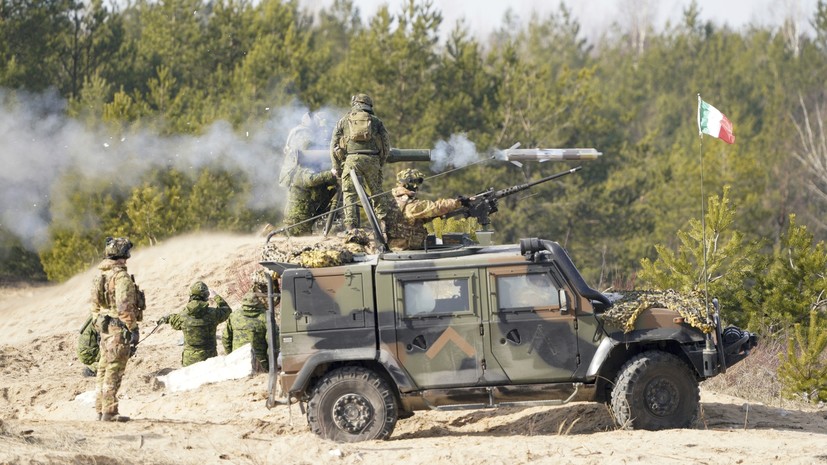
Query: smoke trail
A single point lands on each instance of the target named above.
(457, 152)
(39, 143)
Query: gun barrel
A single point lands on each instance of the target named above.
(542, 155)
(395, 155)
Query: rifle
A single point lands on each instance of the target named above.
(481, 205)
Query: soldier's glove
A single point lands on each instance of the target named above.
(164, 319)
(465, 201)
(135, 336)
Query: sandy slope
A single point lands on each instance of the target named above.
(42, 419)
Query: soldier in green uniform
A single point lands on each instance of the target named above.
(309, 180)
(116, 308)
(360, 142)
(409, 232)
(249, 326)
(199, 322)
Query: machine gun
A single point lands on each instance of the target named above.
(481, 205)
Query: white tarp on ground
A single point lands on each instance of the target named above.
(238, 364)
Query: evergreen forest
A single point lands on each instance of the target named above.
(153, 118)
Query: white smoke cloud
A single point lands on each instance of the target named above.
(457, 152)
(38, 143)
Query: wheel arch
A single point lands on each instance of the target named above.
(381, 362)
(612, 355)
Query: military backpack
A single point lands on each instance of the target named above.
(359, 125)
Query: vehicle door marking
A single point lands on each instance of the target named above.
(538, 340)
(450, 335)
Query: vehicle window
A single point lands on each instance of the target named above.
(533, 290)
(435, 297)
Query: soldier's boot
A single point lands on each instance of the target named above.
(113, 417)
(88, 372)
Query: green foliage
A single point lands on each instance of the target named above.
(16, 261)
(178, 66)
(793, 283)
(716, 256)
(440, 226)
(803, 369)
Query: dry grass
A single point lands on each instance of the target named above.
(756, 377)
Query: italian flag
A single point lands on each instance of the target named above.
(713, 122)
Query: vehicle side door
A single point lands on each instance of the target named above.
(438, 327)
(533, 336)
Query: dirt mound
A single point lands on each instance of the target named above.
(46, 416)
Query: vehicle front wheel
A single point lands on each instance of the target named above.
(655, 390)
(352, 404)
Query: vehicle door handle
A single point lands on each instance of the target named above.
(419, 343)
(513, 337)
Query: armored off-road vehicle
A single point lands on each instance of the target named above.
(480, 326)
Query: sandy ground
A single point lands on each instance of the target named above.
(46, 417)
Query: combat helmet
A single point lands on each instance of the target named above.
(362, 102)
(259, 281)
(410, 178)
(199, 291)
(117, 247)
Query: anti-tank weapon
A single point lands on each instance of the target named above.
(482, 205)
(394, 155)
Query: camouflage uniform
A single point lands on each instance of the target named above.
(199, 322)
(309, 182)
(365, 157)
(115, 306)
(249, 325)
(410, 232)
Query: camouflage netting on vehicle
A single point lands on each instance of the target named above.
(690, 306)
(318, 252)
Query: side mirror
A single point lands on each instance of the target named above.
(564, 304)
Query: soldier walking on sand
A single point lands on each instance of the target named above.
(361, 143)
(117, 307)
(199, 322)
(309, 180)
(409, 231)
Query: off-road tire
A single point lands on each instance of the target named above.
(352, 404)
(655, 390)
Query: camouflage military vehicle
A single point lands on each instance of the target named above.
(471, 327)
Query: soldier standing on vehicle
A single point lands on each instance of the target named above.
(249, 325)
(310, 182)
(360, 142)
(199, 322)
(117, 307)
(410, 232)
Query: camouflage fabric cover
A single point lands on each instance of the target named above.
(625, 311)
(318, 252)
(248, 325)
(199, 322)
(410, 232)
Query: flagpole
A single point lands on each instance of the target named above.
(703, 210)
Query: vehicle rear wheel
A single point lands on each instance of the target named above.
(655, 390)
(352, 404)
